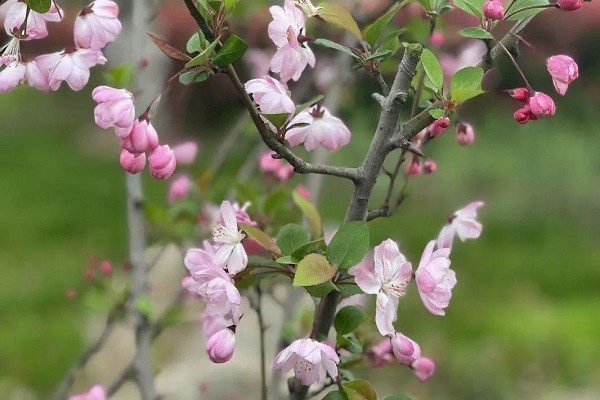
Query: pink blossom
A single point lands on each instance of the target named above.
(179, 188)
(437, 39)
(12, 52)
(292, 56)
(465, 135)
(218, 291)
(461, 223)
(221, 345)
(197, 259)
(429, 167)
(12, 75)
(388, 279)
(520, 94)
(304, 192)
(542, 105)
(424, 368)
(406, 350)
(310, 360)
(36, 78)
(493, 9)
(132, 163)
(162, 162)
(439, 126)
(70, 65)
(36, 22)
(97, 25)
(96, 393)
(241, 215)
(381, 354)
(280, 169)
(212, 324)
(435, 279)
(270, 95)
(569, 5)
(523, 115)
(106, 268)
(185, 153)
(414, 167)
(115, 109)
(141, 138)
(563, 70)
(323, 129)
(231, 253)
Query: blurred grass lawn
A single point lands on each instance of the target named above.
(524, 319)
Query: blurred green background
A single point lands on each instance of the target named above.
(524, 321)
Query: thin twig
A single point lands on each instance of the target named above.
(257, 307)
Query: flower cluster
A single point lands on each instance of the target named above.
(389, 276)
(212, 272)
(95, 27)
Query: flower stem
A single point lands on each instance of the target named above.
(514, 62)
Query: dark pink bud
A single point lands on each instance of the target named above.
(542, 105)
(162, 162)
(220, 346)
(304, 192)
(563, 70)
(439, 126)
(415, 167)
(142, 138)
(106, 268)
(424, 368)
(569, 5)
(493, 9)
(521, 94)
(524, 114)
(132, 163)
(429, 167)
(437, 39)
(465, 134)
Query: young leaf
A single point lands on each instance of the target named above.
(313, 270)
(437, 113)
(349, 289)
(291, 237)
(349, 245)
(321, 290)
(39, 6)
(230, 5)
(348, 319)
(194, 75)
(169, 50)
(433, 69)
(232, 50)
(203, 56)
(338, 16)
(263, 239)
(349, 343)
(335, 395)
(308, 104)
(310, 247)
(335, 46)
(360, 389)
(521, 4)
(310, 213)
(278, 120)
(476, 32)
(374, 31)
(466, 84)
(193, 44)
(287, 260)
(473, 7)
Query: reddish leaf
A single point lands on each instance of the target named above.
(169, 50)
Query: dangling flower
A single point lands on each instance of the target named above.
(323, 129)
(115, 109)
(96, 393)
(231, 252)
(221, 345)
(97, 25)
(270, 95)
(563, 70)
(461, 223)
(70, 65)
(435, 279)
(310, 359)
(36, 22)
(162, 162)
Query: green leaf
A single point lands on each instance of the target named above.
(360, 389)
(401, 397)
(335, 46)
(349, 289)
(433, 69)
(349, 343)
(374, 31)
(230, 5)
(263, 239)
(337, 15)
(233, 49)
(39, 6)
(193, 44)
(473, 7)
(278, 120)
(310, 213)
(519, 4)
(291, 237)
(379, 54)
(476, 32)
(308, 104)
(310, 247)
(194, 75)
(437, 113)
(348, 319)
(349, 245)
(321, 290)
(205, 10)
(288, 260)
(466, 84)
(336, 395)
(313, 270)
(392, 41)
(204, 55)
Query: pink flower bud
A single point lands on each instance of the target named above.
(185, 153)
(437, 39)
(429, 167)
(221, 345)
(493, 9)
(563, 70)
(439, 126)
(542, 105)
(424, 368)
(179, 189)
(89, 275)
(106, 268)
(132, 163)
(569, 5)
(162, 162)
(143, 137)
(521, 94)
(524, 114)
(415, 167)
(304, 192)
(278, 168)
(465, 135)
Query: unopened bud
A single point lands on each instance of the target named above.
(162, 162)
(521, 94)
(569, 5)
(542, 105)
(221, 345)
(132, 163)
(429, 167)
(106, 268)
(424, 368)
(493, 9)
(465, 135)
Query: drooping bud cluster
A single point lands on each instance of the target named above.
(537, 105)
